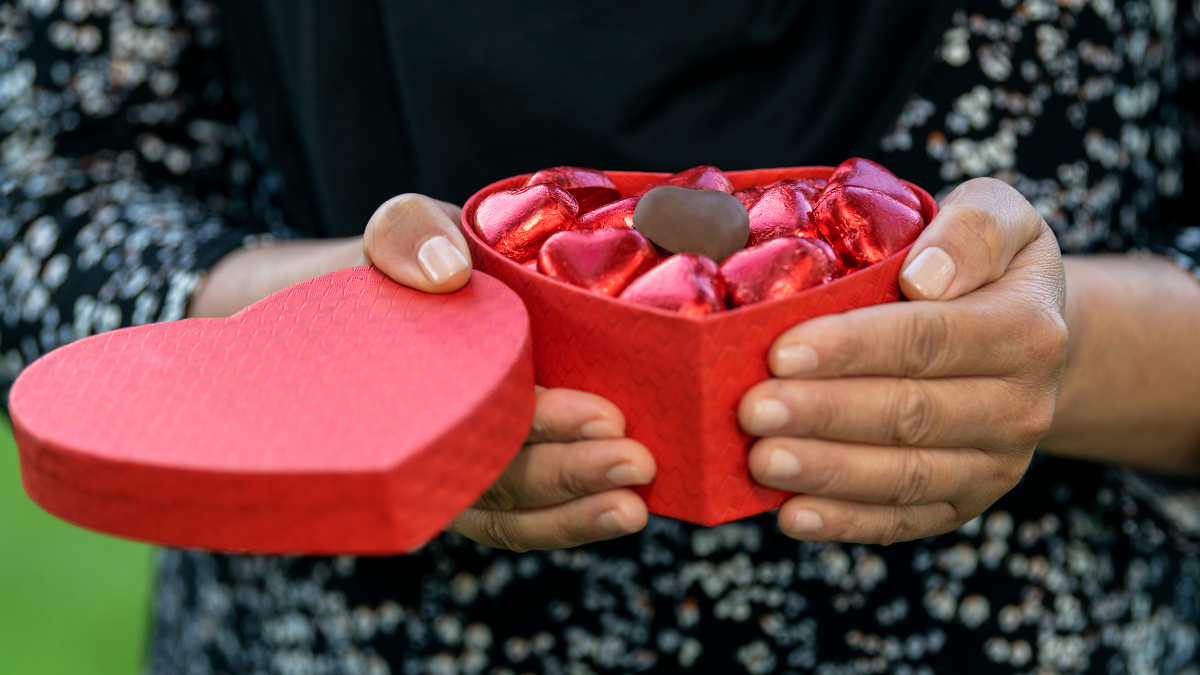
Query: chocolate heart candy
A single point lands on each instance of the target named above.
(858, 172)
(747, 196)
(686, 283)
(590, 188)
(779, 268)
(696, 178)
(602, 261)
(616, 214)
(517, 222)
(708, 222)
(781, 211)
(865, 226)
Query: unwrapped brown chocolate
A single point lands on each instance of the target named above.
(711, 223)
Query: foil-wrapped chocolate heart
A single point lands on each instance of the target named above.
(602, 261)
(711, 223)
(778, 269)
(865, 226)
(616, 214)
(696, 178)
(686, 283)
(590, 188)
(517, 222)
(782, 211)
(858, 172)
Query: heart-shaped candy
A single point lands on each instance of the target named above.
(344, 414)
(696, 178)
(781, 211)
(709, 222)
(590, 188)
(865, 226)
(602, 261)
(687, 283)
(778, 269)
(517, 222)
(747, 196)
(858, 172)
(615, 214)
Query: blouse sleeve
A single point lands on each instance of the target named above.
(127, 168)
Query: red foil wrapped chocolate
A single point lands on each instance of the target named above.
(616, 214)
(779, 269)
(747, 196)
(781, 211)
(677, 379)
(858, 172)
(865, 226)
(696, 178)
(516, 222)
(686, 283)
(602, 261)
(590, 188)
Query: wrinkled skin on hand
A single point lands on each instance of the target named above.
(905, 420)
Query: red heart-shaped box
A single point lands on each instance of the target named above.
(677, 379)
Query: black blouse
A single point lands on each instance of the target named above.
(143, 141)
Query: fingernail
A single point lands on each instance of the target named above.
(769, 414)
(599, 429)
(625, 474)
(931, 272)
(782, 465)
(795, 359)
(440, 260)
(612, 522)
(806, 522)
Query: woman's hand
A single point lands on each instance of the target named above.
(906, 420)
(565, 487)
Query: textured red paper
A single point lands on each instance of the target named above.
(346, 414)
(677, 379)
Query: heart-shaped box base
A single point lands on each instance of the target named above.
(677, 379)
(346, 414)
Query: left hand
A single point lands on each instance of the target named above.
(906, 420)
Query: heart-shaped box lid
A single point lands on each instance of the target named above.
(364, 417)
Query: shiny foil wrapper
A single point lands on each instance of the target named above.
(516, 222)
(865, 226)
(615, 214)
(782, 211)
(858, 172)
(696, 178)
(590, 188)
(779, 269)
(601, 261)
(688, 284)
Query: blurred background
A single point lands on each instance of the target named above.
(71, 601)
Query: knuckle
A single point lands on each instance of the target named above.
(900, 524)
(914, 480)
(571, 482)
(503, 534)
(913, 419)
(976, 222)
(926, 337)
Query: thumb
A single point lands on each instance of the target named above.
(979, 229)
(415, 240)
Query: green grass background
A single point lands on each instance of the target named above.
(71, 601)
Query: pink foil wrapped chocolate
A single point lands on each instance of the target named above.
(687, 284)
(590, 188)
(865, 226)
(696, 178)
(615, 214)
(779, 269)
(602, 261)
(781, 211)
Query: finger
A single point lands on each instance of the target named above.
(979, 229)
(594, 518)
(553, 473)
(415, 240)
(820, 519)
(975, 412)
(565, 415)
(882, 475)
(928, 339)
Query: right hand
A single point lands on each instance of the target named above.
(568, 484)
